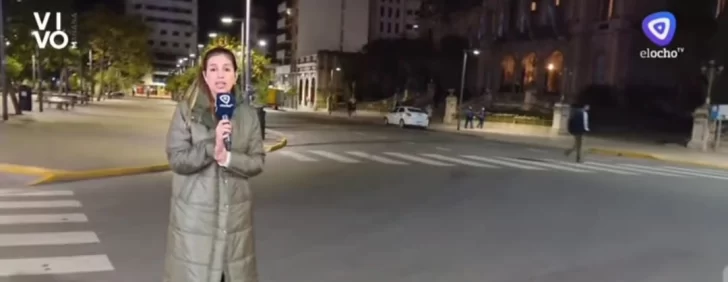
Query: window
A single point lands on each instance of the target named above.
(408, 26)
(381, 11)
(389, 27)
(720, 7)
(534, 6)
(175, 33)
(138, 6)
(396, 13)
(188, 34)
(389, 12)
(150, 42)
(557, 3)
(175, 44)
(381, 27)
(163, 43)
(599, 76)
(396, 28)
(187, 45)
(163, 32)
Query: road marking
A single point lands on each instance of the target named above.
(678, 172)
(31, 193)
(55, 265)
(296, 156)
(635, 169)
(546, 164)
(537, 150)
(42, 218)
(276, 132)
(47, 238)
(409, 142)
(442, 149)
(503, 163)
(360, 133)
(458, 161)
(593, 167)
(708, 171)
(376, 158)
(335, 157)
(417, 159)
(39, 204)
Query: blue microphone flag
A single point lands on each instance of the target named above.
(225, 106)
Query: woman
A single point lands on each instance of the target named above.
(210, 236)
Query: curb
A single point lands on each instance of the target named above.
(620, 153)
(27, 170)
(55, 176)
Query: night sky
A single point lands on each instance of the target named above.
(210, 12)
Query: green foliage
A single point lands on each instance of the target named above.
(178, 83)
(13, 69)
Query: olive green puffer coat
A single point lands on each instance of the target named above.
(211, 224)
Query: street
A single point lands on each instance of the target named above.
(350, 201)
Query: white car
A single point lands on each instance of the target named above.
(407, 116)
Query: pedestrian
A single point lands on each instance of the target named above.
(210, 237)
(469, 116)
(578, 125)
(481, 117)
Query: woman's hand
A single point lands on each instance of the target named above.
(224, 129)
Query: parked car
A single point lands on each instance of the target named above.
(407, 116)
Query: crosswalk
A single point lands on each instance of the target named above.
(499, 162)
(45, 212)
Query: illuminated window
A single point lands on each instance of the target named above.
(606, 10)
(557, 3)
(533, 6)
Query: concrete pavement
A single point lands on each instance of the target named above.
(509, 215)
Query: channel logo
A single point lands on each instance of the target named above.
(660, 28)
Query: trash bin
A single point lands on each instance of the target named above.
(25, 98)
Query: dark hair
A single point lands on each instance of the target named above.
(203, 65)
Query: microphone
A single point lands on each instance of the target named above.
(225, 107)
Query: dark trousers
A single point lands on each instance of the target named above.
(468, 121)
(577, 147)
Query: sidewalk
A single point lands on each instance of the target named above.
(612, 146)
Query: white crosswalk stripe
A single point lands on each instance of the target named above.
(637, 170)
(458, 161)
(417, 159)
(376, 158)
(503, 163)
(336, 157)
(593, 167)
(443, 159)
(546, 164)
(36, 225)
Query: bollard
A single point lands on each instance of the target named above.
(261, 118)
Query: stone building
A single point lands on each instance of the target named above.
(541, 51)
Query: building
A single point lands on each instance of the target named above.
(307, 27)
(538, 52)
(394, 19)
(173, 25)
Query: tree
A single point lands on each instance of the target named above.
(119, 49)
(177, 84)
(261, 75)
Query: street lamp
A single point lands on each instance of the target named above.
(212, 34)
(462, 81)
(262, 43)
(711, 70)
(244, 42)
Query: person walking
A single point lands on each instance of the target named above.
(578, 126)
(210, 237)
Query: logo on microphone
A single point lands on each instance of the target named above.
(660, 28)
(226, 100)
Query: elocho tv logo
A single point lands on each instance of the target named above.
(660, 28)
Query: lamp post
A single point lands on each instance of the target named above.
(330, 99)
(711, 70)
(243, 44)
(462, 82)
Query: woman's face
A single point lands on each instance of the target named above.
(220, 74)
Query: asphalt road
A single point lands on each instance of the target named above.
(355, 202)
